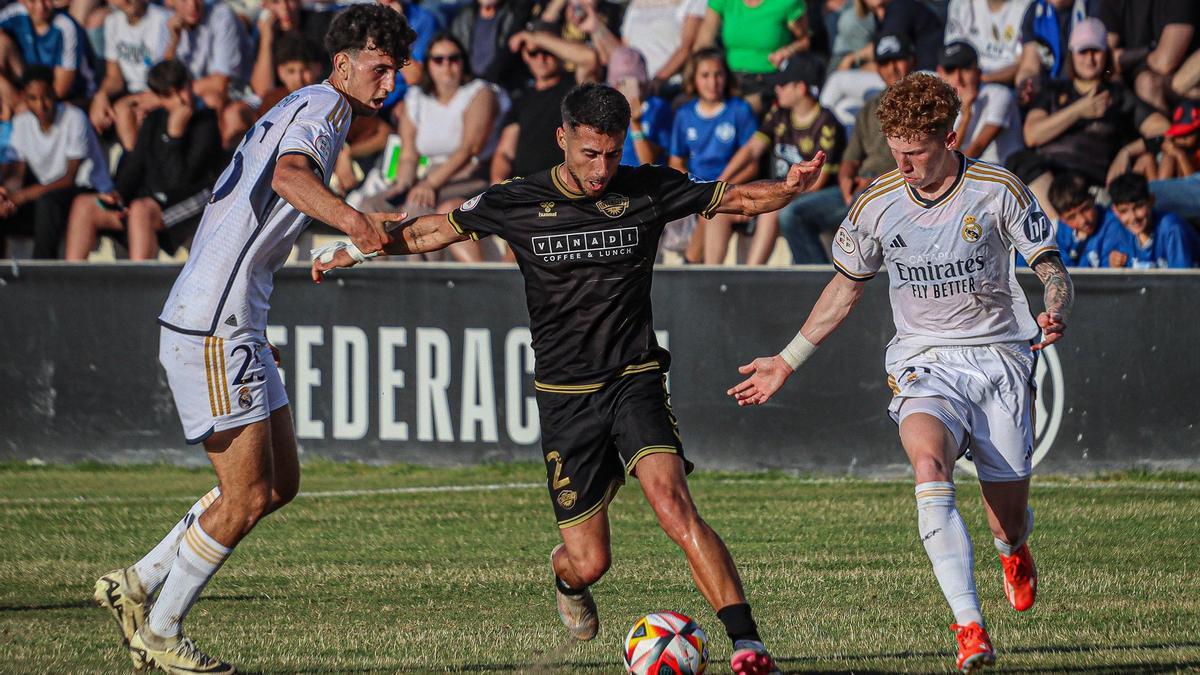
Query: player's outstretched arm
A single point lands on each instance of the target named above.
(416, 235)
(768, 373)
(1060, 295)
(295, 180)
(764, 196)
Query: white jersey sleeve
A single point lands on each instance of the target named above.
(314, 131)
(1025, 226)
(857, 249)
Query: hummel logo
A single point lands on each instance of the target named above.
(897, 242)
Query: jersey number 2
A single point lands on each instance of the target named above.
(235, 174)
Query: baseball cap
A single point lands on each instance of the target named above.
(626, 62)
(958, 55)
(804, 68)
(891, 47)
(1185, 120)
(1089, 34)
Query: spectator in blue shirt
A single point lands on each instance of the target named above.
(650, 127)
(1146, 238)
(1081, 228)
(708, 131)
(44, 37)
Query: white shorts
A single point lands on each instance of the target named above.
(984, 395)
(219, 384)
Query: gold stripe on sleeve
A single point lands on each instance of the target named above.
(208, 376)
(715, 202)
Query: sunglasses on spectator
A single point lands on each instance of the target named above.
(446, 58)
(536, 53)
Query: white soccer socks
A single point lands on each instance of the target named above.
(152, 569)
(200, 556)
(948, 545)
(1008, 549)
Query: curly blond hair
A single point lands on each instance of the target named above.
(917, 107)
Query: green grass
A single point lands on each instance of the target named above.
(436, 581)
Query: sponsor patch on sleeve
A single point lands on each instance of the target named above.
(844, 240)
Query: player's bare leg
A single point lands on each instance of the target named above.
(932, 449)
(580, 561)
(1011, 520)
(664, 482)
(243, 461)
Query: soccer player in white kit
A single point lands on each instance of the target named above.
(213, 344)
(962, 362)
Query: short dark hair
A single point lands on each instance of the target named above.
(370, 24)
(467, 75)
(168, 76)
(38, 73)
(598, 106)
(1069, 190)
(1129, 188)
(291, 47)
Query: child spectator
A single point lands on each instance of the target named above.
(1082, 228)
(793, 131)
(211, 41)
(58, 146)
(650, 125)
(707, 132)
(42, 36)
(1146, 238)
(134, 40)
(281, 18)
(989, 126)
(165, 179)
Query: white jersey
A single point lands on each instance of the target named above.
(247, 230)
(137, 47)
(949, 261)
(996, 36)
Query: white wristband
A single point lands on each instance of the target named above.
(325, 253)
(797, 351)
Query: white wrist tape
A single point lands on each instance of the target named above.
(325, 253)
(797, 351)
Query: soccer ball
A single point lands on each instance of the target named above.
(666, 643)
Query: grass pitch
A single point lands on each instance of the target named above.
(368, 571)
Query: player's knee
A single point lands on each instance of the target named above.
(590, 568)
(929, 466)
(249, 504)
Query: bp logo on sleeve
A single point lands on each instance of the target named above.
(1037, 227)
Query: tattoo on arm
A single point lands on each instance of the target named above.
(1060, 292)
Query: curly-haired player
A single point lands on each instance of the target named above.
(213, 345)
(962, 362)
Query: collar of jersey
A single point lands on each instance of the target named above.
(945, 197)
(568, 192)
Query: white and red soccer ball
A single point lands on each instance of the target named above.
(666, 643)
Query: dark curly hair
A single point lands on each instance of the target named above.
(168, 76)
(597, 106)
(371, 26)
(917, 107)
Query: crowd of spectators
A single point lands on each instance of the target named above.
(117, 115)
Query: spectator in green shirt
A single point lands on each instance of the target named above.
(758, 36)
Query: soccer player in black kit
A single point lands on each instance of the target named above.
(585, 235)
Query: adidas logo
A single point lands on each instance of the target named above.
(231, 321)
(897, 242)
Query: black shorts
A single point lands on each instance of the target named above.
(590, 441)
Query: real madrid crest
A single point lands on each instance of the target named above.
(244, 398)
(566, 498)
(971, 230)
(613, 205)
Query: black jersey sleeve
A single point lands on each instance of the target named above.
(482, 214)
(677, 195)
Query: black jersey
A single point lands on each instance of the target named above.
(587, 264)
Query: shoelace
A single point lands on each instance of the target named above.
(1013, 567)
(971, 634)
(188, 650)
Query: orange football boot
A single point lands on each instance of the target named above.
(1020, 578)
(974, 647)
